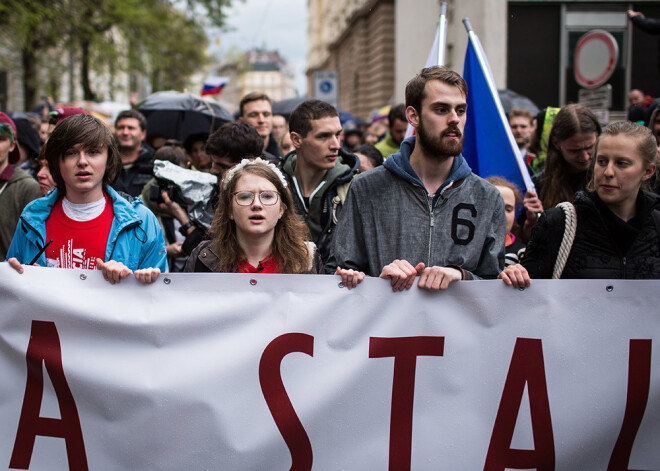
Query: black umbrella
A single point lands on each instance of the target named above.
(176, 115)
(285, 107)
(511, 99)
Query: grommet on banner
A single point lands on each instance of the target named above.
(522, 288)
(167, 281)
(609, 288)
(83, 276)
(341, 285)
(253, 282)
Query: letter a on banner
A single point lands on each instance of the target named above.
(526, 367)
(44, 349)
(405, 351)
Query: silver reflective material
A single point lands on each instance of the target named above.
(196, 188)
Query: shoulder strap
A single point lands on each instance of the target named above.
(567, 241)
(311, 252)
(339, 198)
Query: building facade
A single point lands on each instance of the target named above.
(257, 70)
(543, 39)
(376, 46)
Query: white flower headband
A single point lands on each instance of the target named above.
(244, 163)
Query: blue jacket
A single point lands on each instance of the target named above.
(135, 238)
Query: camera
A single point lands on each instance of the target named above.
(161, 185)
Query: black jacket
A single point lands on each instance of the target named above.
(604, 245)
(132, 181)
(648, 25)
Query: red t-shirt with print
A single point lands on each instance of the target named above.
(77, 244)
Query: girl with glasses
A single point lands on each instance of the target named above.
(255, 228)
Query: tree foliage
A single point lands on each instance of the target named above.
(155, 37)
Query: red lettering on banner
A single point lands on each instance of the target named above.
(639, 383)
(278, 401)
(44, 348)
(526, 366)
(405, 351)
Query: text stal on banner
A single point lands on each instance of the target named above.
(238, 372)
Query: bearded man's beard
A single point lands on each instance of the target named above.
(436, 146)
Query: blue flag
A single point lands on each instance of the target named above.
(488, 144)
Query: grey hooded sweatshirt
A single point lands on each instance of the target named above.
(388, 215)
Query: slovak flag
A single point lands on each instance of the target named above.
(213, 85)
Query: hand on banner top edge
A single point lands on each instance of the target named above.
(113, 271)
(350, 278)
(15, 264)
(516, 276)
(438, 278)
(147, 275)
(401, 274)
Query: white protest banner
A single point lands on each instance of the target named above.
(278, 372)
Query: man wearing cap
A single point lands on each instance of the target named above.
(17, 188)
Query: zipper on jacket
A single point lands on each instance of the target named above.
(429, 200)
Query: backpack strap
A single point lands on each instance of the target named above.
(570, 226)
(311, 252)
(339, 198)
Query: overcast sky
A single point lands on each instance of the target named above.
(273, 24)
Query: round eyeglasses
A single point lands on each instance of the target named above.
(246, 198)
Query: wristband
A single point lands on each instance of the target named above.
(184, 229)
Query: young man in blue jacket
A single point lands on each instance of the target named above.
(84, 223)
(423, 214)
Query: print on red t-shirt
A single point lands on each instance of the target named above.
(77, 244)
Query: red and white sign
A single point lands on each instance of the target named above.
(596, 55)
(215, 371)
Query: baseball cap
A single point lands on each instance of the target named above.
(14, 155)
(58, 114)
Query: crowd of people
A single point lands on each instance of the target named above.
(304, 194)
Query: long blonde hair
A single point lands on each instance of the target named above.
(289, 248)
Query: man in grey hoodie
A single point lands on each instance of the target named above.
(423, 213)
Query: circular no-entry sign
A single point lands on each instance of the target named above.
(596, 55)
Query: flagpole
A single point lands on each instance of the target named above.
(442, 33)
(472, 37)
(439, 41)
